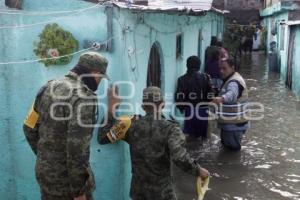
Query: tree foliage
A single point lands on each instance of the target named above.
(234, 36)
(55, 42)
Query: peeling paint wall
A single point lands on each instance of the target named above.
(19, 83)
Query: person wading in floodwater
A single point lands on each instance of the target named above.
(233, 106)
(194, 88)
(210, 49)
(154, 144)
(212, 69)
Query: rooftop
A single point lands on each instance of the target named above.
(191, 7)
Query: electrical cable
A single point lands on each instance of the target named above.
(53, 58)
(42, 59)
(44, 13)
(241, 25)
(34, 24)
(45, 22)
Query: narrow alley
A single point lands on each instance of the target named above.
(268, 165)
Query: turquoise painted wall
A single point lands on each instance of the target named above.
(19, 84)
(277, 13)
(140, 35)
(282, 53)
(132, 39)
(296, 63)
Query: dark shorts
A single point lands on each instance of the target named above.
(198, 124)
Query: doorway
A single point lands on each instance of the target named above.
(289, 71)
(154, 67)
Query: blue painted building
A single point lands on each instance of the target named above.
(145, 45)
(282, 20)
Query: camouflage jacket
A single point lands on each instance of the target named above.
(154, 143)
(61, 136)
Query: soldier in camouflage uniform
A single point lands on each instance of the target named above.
(59, 129)
(154, 142)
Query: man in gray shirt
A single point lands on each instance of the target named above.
(232, 106)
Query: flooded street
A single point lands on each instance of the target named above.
(268, 167)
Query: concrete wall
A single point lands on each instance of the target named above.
(19, 85)
(132, 41)
(268, 3)
(274, 21)
(296, 63)
(275, 18)
(161, 29)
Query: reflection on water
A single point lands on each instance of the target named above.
(268, 167)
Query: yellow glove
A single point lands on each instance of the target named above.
(32, 118)
(202, 187)
(119, 130)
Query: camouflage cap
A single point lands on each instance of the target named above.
(152, 94)
(94, 61)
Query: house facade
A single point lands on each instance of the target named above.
(281, 19)
(146, 44)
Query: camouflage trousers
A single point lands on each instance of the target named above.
(45, 196)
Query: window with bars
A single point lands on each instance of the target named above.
(179, 46)
(154, 67)
(200, 39)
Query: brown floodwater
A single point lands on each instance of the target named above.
(268, 167)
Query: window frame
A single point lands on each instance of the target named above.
(179, 46)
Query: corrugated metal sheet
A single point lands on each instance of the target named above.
(188, 6)
(181, 4)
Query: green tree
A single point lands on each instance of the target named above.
(55, 42)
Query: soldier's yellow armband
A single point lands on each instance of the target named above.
(119, 130)
(32, 118)
(202, 187)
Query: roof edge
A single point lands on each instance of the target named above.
(185, 10)
(279, 7)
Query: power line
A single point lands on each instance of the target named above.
(34, 24)
(43, 59)
(51, 20)
(53, 58)
(242, 25)
(30, 13)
